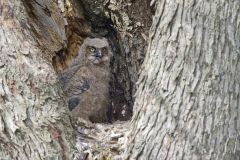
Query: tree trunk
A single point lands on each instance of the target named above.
(34, 122)
(187, 103)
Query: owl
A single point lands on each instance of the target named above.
(86, 81)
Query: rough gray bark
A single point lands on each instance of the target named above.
(187, 103)
(34, 122)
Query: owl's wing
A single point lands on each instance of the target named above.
(66, 76)
(79, 87)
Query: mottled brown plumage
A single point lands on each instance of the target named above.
(86, 81)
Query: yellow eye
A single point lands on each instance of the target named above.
(92, 49)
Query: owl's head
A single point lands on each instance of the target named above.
(96, 51)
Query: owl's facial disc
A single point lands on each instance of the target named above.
(98, 55)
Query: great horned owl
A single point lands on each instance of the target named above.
(86, 81)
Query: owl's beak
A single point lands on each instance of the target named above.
(99, 53)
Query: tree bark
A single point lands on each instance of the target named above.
(187, 103)
(34, 121)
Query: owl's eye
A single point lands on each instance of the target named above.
(104, 49)
(92, 49)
